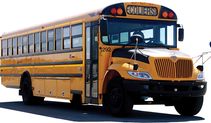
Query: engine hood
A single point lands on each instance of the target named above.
(144, 54)
(159, 52)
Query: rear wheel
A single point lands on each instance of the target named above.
(27, 94)
(117, 101)
(189, 106)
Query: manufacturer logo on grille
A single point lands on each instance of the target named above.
(174, 58)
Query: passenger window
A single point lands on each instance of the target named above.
(10, 47)
(31, 43)
(37, 42)
(66, 37)
(20, 45)
(58, 39)
(4, 48)
(25, 44)
(43, 42)
(15, 44)
(77, 36)
(50, 40)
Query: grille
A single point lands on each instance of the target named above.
(167, 68)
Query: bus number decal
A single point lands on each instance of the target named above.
(105, 49)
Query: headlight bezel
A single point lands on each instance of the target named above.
(200, 76)
(140, 75)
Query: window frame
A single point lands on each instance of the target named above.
(66, 38)
(9, 47)
(4, 48)
(37, 43)
(15, 46)
(77, 36)
(51, 41)
(20, 45)
(58, 39)
(41, 41)
(31, 43)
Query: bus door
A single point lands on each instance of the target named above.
(91, 81)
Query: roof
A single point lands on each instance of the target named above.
(41, 26)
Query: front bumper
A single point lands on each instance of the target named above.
(165, 88)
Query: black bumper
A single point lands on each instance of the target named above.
(166, 88)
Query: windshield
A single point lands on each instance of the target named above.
(154, 33)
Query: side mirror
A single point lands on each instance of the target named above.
(200, 67)
(181, 34)
(210, 43)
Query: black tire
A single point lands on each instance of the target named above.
(117, 101)
(26, 90)
(189, 106)
(27, 94)
(76, 101)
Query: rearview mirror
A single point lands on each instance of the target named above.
(181, 34)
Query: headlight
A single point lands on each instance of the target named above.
(200, 76)
(140, 75)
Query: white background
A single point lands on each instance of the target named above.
(18, 14)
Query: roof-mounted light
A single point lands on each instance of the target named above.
(113, 11)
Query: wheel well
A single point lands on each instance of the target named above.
(25, 74)
(111, 75)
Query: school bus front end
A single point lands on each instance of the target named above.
(144, 66)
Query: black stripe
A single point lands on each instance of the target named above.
(44, 53)
(44, 63)
(45, 75)
(124, 53)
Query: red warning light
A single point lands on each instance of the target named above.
(171, 15)
(113, 11)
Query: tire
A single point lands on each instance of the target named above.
(189, 106)
(26, 90)
(76, 101)
(117, 101)
(27, 94)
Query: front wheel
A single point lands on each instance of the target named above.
(189, 106)
(117, 101)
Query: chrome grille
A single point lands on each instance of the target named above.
(166, 68)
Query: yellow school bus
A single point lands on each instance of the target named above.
(123, 55)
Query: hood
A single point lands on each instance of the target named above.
(159, 52)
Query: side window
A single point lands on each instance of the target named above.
(15, 44)
(20, 45)
(77, 36)
(4, 48)
(31, 43)
(43, 41)
(37, 42)
(10, 47)
(25, 44)
(58, 39)
(50, 40)
(66, 37)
